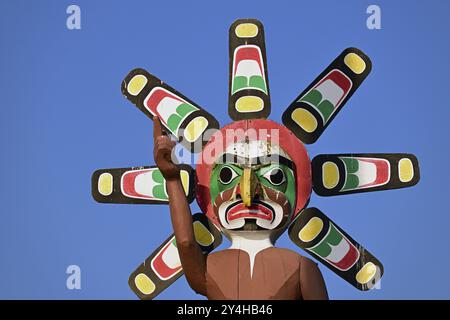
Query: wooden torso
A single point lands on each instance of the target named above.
(276, 275)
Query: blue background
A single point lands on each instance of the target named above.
(63, 116)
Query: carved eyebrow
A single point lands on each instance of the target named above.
(258, 161)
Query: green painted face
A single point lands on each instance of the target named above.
(271, 176)
(275, 188)
(224, 177)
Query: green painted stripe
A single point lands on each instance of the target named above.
(254, 82)
(351, 164)
(324, 106)
(334, 237)
(351, 182)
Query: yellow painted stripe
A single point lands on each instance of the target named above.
(195, 128)
(249, 104)
(202, 234)
(136, 84)
(184, 175)
(105, 184)
(311, 230)
(246, 30)
(405, 170)
(245, 186)
(355, 63)
(367, 272)
(144, 283)
(330, 175)
(304, 119)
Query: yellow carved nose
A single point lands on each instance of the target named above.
(248, 185)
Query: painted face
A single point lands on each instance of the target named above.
(258, 146)
(253, 187)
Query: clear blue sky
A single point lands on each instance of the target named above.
(63, 116)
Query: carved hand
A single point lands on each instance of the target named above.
(162, 152)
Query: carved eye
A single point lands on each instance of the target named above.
(275, 176)
(226, 175)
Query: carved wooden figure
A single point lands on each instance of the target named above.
(253, 181)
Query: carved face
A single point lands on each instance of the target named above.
(253, 187)
(256, 179)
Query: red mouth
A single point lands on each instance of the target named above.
(257, 210)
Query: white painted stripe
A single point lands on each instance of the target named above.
(330, 91)
(143, 184)
(171, 257)
(339, 251)
(167, 107)
(367, 173)
(248, 68)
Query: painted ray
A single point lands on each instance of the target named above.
(184, 119)
(326, 96)
(336, 249)
(166, 264)
(248, 69)
(314, 109)
(339, 174)
(314, 232)
(138, 185)
(249, 87)
(163, 266)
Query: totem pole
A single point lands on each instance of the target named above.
(252, 181)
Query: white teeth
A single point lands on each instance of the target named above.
(249, 212)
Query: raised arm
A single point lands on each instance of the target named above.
(192, 259)
(312, 284)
